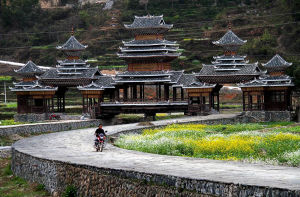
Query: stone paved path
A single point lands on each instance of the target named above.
(76, 146)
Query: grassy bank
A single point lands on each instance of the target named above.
(13, 186)
(265, 142)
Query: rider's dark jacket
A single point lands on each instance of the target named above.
(99, 131)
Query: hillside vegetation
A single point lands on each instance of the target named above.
(270, 26)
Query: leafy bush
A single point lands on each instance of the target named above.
(70, 191)
(40, 187)
(9, 122)
(7, 170)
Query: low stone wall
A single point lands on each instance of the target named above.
(93, 181)
(267, 116)
(31, 117)
(5, 151)
(47, 127)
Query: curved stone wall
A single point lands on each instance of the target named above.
(118, 172)
(47, 127)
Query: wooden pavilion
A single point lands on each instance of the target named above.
(270, 92)
(32, 97)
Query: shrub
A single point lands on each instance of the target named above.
(70, 191)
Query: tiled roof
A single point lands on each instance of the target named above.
(143, 79)
(71, 62)
(175, 76)
(30, 68)
(36, 87)
(229, 57)
(144, 74)
(142, 55)
(148, 22)
(248, 69)
(102, 83)
(276, 63)
(229, 39)
(25, 83)
(190, 81)
(54, 74)
(148, 49)
(156, 42)
(92, 86)
(72, 44)
(268, 80)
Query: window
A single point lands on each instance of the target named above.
(277, 97)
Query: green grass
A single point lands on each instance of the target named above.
(9, 105)
(254, 142)
(228, 106)
(9, 122)
(13, 186)
(5, 141)
(5, 78)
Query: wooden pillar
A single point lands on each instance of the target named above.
(218, 99)
(209, 101)
(159, 91)
(134, 92)
(52, 103)
(249, 102)
(117, 95)
(182, 94)
(125, 93)
(174, 94)
(166, 92)
(141, 92)
(83, 110)
(244, 101)
(64, 103)
(18, 103)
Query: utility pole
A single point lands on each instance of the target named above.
(4, 92)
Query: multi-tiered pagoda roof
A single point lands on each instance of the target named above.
(276, 64)
(148, 25)
(71, 71)
(30, 72)
(30, 69)
(230, 67)
(149, 44)
(230, 41)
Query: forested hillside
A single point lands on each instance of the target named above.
(270, 26)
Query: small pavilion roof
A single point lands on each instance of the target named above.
(148, 21)
(35, 87)
(267, 80)
(55, 74)
(30, 68)
(277, 62)
(102, 83)
(72, 45)
(229, 39)
(187, 81)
